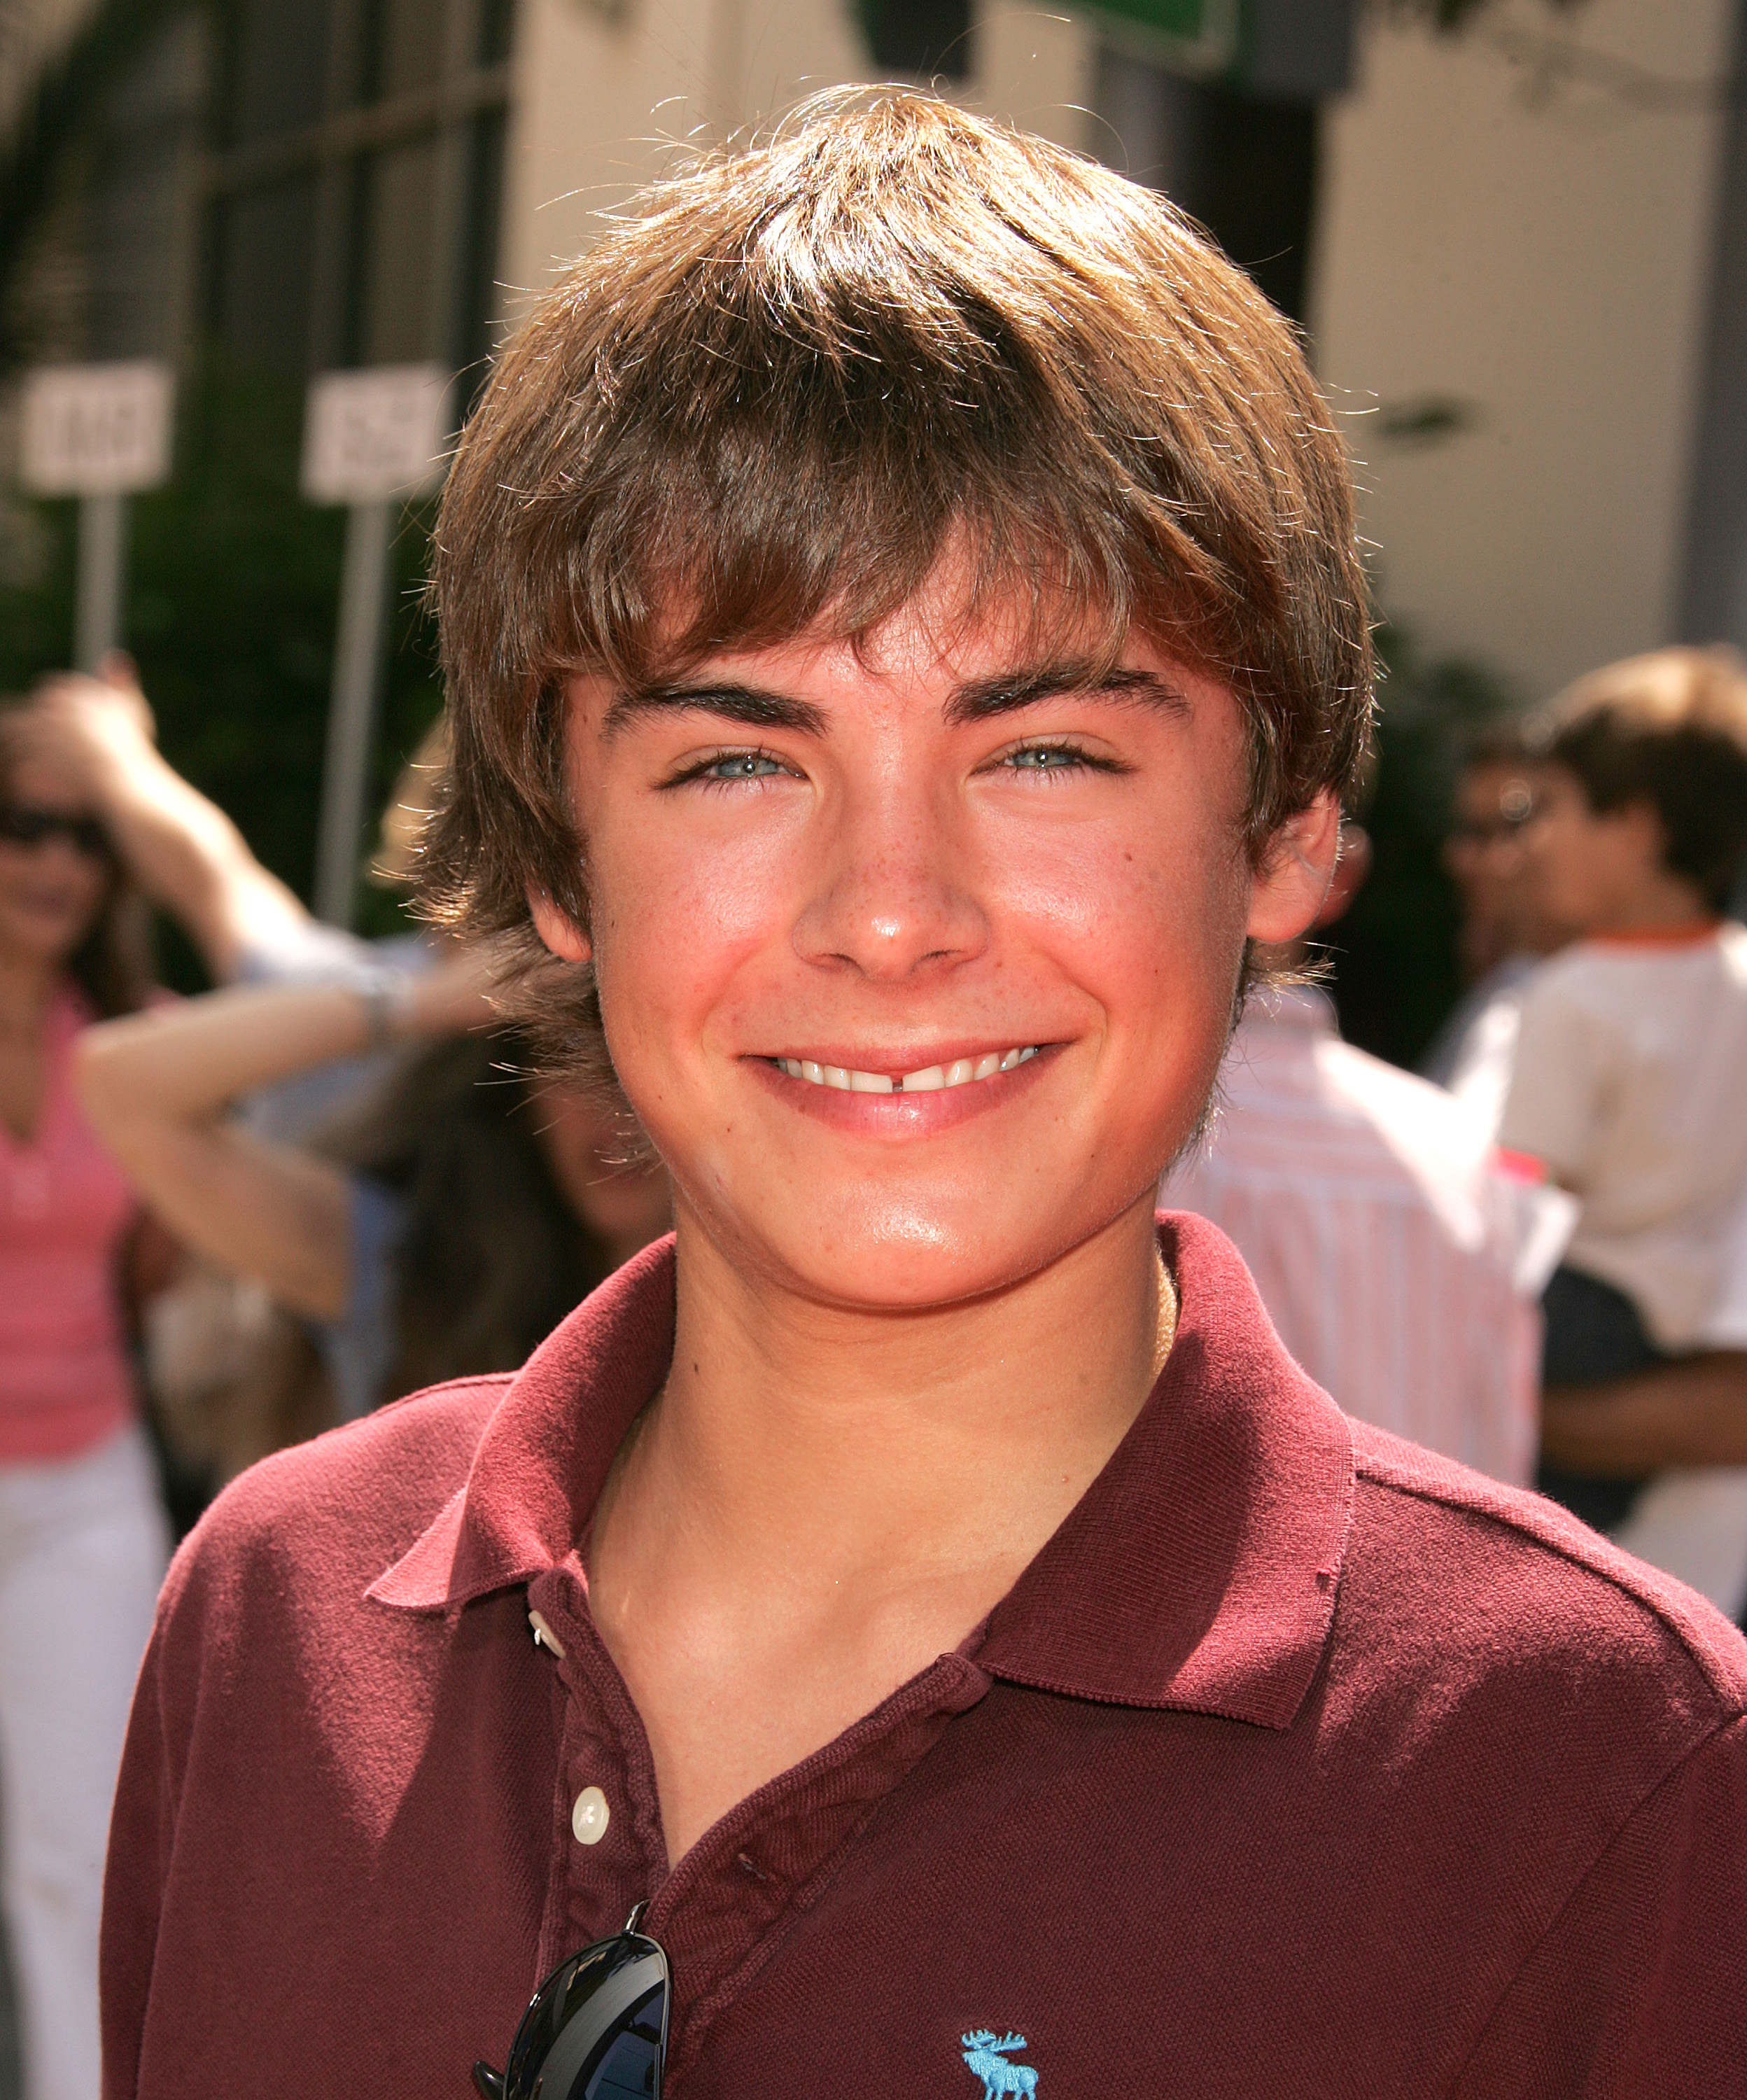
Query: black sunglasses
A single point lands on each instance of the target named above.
(596, 2029)
(22, 824)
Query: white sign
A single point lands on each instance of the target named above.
(96, 430)
(369, 435)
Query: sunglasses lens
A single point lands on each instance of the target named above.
(21, 828)
(631, 2068)
(597, 2027)
(22, 825)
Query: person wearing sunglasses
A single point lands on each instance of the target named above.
(83, 1541)
(1507, 932)
(914, 1630)
(95, 827)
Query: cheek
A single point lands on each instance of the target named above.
(681, 914)
(1159, 888)
(76, 887)
(1148, 922)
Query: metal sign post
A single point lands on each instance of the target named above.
(98, 431)
(370, 439)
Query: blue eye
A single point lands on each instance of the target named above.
(1046, 758)
(741, 766)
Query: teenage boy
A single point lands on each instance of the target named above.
(905, 637)
(1626, 1080)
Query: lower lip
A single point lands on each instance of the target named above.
(901, 1115)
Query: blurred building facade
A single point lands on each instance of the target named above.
(1520, 251)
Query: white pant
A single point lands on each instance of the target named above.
(83, 1546)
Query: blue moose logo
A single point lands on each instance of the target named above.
(988, 2058)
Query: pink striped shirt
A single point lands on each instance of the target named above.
(1399, 1261)
(65, 1379)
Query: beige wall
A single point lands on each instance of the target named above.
(1541, 253)
(596, 108)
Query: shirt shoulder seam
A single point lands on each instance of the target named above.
(1732, 1700)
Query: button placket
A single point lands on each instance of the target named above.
(719, 1913)
(600, 1862)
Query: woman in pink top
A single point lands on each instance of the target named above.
(83, 1541)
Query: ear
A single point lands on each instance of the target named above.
(1288, 889)
(557, 929)
(1351, 869)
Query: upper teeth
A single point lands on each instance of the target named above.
(929, 1079)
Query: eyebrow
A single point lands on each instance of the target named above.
(981, 699)
(750, 705)
(985, 698)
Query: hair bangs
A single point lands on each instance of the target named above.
(759, 481)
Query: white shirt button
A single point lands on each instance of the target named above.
(588, 1818)
(544, 1634)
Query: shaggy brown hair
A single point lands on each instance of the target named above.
(768, 402)
(1670, 730)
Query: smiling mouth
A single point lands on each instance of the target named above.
(930, 1079)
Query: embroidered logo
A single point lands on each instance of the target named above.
(988, 2058)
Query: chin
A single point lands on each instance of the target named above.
(908, 1257)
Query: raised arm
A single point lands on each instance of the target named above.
(181, 849)
(158, 1088)
(1691, 1412)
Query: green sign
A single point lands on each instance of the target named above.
(1193, 36)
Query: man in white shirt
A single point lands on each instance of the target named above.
(1399, 1259)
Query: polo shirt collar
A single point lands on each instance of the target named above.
(1198, 1571)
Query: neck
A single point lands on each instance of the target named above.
(794, 1436)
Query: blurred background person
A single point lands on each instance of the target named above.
(1399, 1262)
(441, 1226)
(1627, 1080)
(183, 853)
(1506, 930)
(228, 1376)
(83, 1542)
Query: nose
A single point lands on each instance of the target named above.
(896, 892)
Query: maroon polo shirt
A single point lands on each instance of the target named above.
(1299, 1761)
